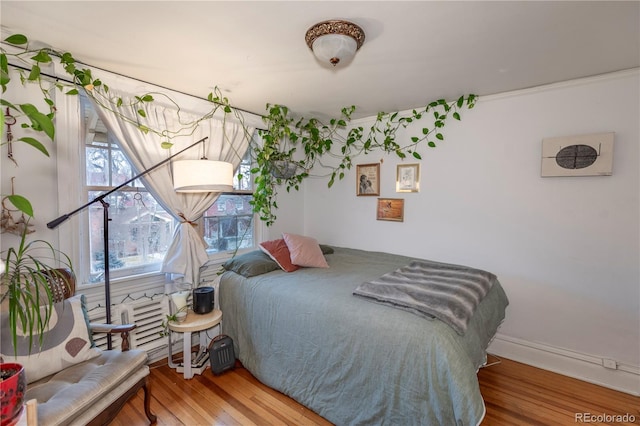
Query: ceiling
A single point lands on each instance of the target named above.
(414, 52)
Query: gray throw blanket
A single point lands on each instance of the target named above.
(447, 292)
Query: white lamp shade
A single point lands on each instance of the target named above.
(202, 176)
(335, 48)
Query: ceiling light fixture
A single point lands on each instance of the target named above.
(334, 41)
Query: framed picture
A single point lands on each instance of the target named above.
(368, 179)
(391, 209)
(582, 155)
(408, 178)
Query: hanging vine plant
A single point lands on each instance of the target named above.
(284, 135)
(294, 145)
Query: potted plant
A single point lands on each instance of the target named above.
(13, 386)
(25, 293)
(27, 302)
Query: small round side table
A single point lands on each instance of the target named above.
(193, 323)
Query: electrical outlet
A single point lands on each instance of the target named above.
(610, 363)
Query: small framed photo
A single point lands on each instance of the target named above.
(368, 179)
(391, 209)
(408, 178)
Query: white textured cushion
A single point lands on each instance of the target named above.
(66, 342)
(305, 251)
(80, 392)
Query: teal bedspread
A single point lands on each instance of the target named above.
(352, 361)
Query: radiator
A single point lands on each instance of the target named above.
(147, 314)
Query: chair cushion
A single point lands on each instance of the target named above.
(66, 342)
(69, 393)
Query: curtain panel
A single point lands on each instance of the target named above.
(227, 141)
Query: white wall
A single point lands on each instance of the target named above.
(565, 249)
(34, 173)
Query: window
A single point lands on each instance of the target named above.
(140, 230)
(229, 222)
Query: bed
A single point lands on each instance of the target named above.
(350, 359)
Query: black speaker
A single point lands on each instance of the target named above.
(221, 354)
(203, 300)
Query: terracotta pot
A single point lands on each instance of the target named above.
(12, 392)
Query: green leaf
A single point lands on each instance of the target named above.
(456, 116)
(166, 145)
(4, 80)
(460, 101)
(16, 39)
(70, 68)
(72, 92)
(147, 98)
(34, 74)
(414, 139)
(21, 204)
(4, 71)
(142, 113)
(67, 58)
(425, 131)
(36, 144)
(39, 120)
(42, 56)
(439, 136)
(416, 155)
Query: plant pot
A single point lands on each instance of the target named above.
(12, 392)
(181, 316)
(283, 169)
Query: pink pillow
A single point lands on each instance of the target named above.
(278, 251)
(305, 251)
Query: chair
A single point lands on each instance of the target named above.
(94, 391)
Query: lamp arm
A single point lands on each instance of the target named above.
(56, 222)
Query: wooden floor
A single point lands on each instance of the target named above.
(514, 394)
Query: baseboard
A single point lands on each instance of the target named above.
(626, 378)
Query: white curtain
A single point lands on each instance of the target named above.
(227, 141)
